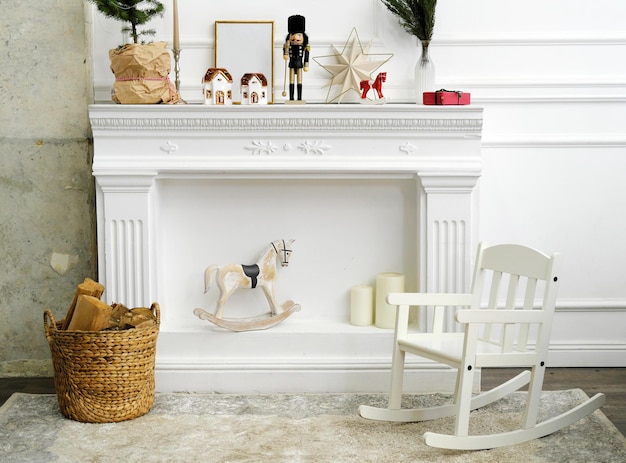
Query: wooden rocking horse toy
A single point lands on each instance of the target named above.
(377, 86)
(262, 275)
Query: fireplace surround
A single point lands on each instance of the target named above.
(362, 189)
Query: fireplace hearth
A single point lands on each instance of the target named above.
(362, 189)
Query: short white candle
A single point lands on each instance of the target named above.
(387, 282)
(362, 305)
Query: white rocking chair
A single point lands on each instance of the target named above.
(512, 334)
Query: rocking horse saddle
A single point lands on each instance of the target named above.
(252, 272)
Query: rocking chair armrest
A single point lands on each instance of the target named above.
(430, 299)
(501, 316)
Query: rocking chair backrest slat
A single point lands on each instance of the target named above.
(492, 303)
(508, 334)
(512, 291)
(496, 280)
(529, 300)
(531, 293)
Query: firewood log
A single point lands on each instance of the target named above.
(123, 318)
(116, 315)
(90, 314)
(88, 287)
(138, 317)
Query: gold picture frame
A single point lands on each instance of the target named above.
(246, 47)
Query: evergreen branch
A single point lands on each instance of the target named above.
(417, 17)
(129, 11)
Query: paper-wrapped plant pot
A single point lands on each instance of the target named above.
(142, 74)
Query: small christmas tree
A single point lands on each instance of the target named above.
(128, 11)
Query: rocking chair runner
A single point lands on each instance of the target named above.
(507, 333)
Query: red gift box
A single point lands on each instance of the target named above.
(446, 97)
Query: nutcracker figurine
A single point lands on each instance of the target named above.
(296, 50)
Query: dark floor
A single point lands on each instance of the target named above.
(610, 381)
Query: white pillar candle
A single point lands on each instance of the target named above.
(386, 283)
(362, 305)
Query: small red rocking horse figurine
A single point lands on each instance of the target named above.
(377, 85)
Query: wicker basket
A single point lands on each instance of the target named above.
(103, 376)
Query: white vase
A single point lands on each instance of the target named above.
(424, 74)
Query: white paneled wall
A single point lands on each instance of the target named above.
(551, 76)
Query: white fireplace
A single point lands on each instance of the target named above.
(362, 189)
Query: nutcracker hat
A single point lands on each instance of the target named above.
(296, 24)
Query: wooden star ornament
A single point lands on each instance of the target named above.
(349, 67)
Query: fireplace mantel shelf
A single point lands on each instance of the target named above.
(347, 139)
(148, 157)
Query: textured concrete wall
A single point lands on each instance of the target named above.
(46, 187)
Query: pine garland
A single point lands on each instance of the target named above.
(128, 11)
(417, 17)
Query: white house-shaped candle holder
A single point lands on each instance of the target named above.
(217, 87)
(253, 89)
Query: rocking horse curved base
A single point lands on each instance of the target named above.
(379, 101)
(250, 324)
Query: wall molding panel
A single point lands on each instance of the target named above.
(528, 40)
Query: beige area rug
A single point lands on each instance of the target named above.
(288, 428)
